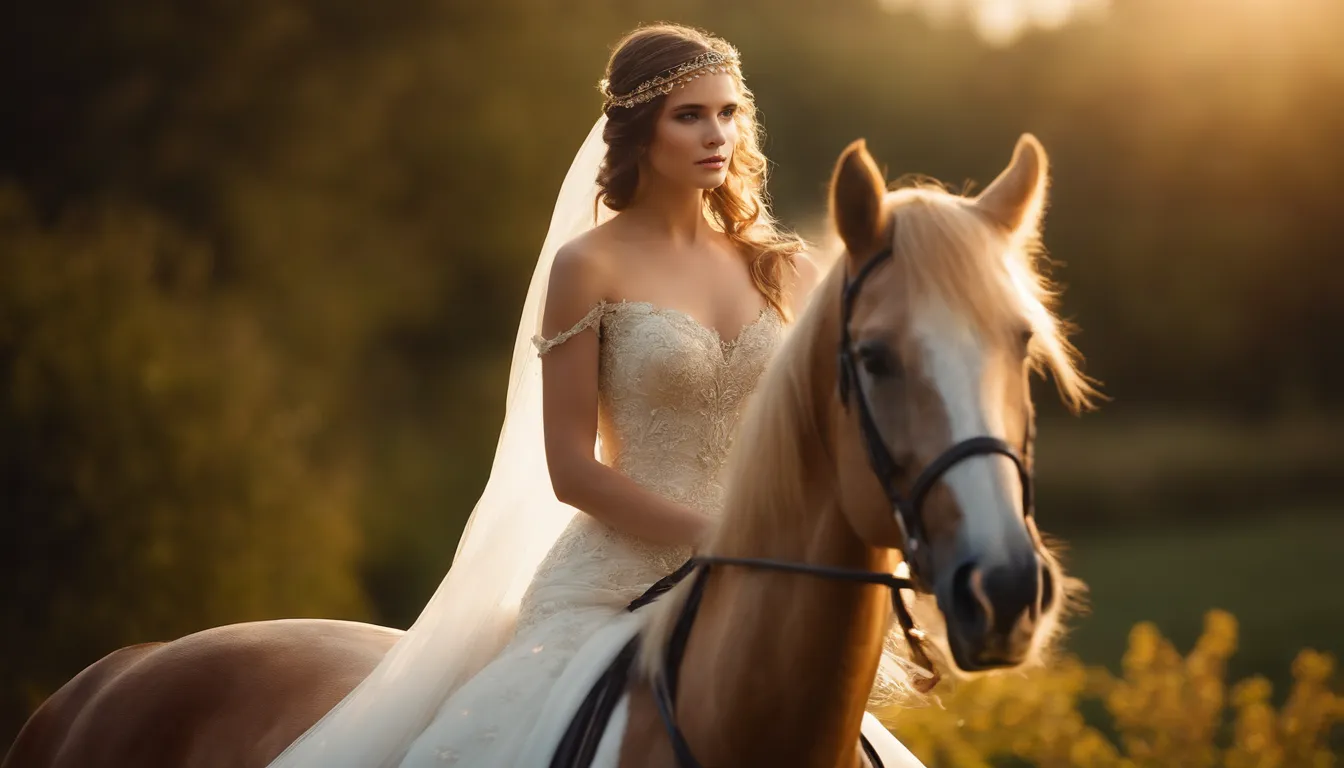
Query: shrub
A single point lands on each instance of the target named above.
(1164, 710)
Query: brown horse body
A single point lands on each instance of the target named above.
(778, 666)
(229, 696)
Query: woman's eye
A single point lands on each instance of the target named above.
(683, 117)
(727, 113)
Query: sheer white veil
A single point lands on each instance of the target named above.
(471, 615)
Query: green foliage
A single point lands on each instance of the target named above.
(1164, 710)
(158, 480)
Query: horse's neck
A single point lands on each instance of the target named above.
(780, 665)
(785, 662)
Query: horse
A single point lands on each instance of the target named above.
(895, 422)
(894, 425)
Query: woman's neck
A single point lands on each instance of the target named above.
(669, 212)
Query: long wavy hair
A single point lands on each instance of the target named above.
(739, 207)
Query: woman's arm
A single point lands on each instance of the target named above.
(569, 415)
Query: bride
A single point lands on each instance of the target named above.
(661, 290)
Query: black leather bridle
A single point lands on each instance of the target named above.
(905, 509)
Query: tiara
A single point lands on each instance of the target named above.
(709, 63)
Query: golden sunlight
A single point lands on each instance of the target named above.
(1001, 22)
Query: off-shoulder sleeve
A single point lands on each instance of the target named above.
(591, 320)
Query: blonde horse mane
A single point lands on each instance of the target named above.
(951, 251)
(997, 280)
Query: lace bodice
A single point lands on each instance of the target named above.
(670, 393)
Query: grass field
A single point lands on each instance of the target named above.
(1152, 469)
(1280, 572)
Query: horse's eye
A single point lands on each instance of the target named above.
(877, 359)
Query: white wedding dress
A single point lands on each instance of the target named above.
(670, 393)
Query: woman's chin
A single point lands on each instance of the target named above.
(712, 182)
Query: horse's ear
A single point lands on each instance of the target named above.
(1016, 199)
(857, 188)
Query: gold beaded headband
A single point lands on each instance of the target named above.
(709, 63)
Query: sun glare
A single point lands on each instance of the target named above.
(1001, 22)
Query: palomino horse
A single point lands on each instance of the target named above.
(897, 417)
(914, 438)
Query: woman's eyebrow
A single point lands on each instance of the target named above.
(702, 106)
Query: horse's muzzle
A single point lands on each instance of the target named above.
(993, 610)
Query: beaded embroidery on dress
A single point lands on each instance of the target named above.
(670, 392)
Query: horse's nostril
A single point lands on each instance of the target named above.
(967, 610)
(1047, 588)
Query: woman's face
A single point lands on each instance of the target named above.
(696, 133)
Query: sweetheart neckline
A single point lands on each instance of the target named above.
(689, 318)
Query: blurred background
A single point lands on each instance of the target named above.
(261, 263)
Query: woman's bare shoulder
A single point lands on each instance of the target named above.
(591, 253)
(583, 261)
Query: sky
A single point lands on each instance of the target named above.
(1002, 22)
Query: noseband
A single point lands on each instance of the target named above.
(905, 510)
